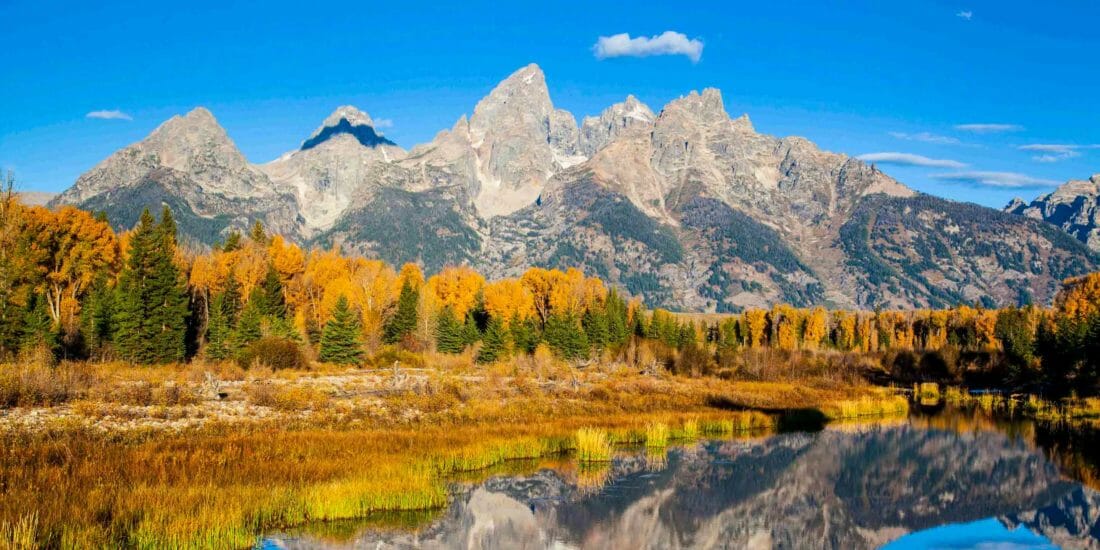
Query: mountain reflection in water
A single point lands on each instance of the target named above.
(953, 480)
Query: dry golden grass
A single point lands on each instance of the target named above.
(96, 468)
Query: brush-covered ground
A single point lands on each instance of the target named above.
(206, 456)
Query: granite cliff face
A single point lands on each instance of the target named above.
(688, 207)
(1075, 207)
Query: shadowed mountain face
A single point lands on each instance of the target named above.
(688, 207)
(364, 134)
(833, 489)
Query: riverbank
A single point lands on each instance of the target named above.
(189, 457)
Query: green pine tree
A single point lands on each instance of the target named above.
(618, 330)
(268, 295)
(249, 327)
(232, 242)
(258, 234)
(403, 321)
(340, 338)
(218, 329)
(566, 338)
(151, 298)
(596, 328)
(449, 333)
(37, 327)
(494, 345)
(96, 318)
(525, 334)
(470, 332)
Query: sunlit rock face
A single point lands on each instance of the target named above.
(834, 489)
(687, 207)
(1075, 207)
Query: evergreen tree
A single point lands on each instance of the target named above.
(687, 335)
(494, 345)
(470, 332)
(37, 328)
(258, 234)
(1014, 331)
(232, 300)
(564, 335)
(618, 330)
(281, 327)
(313, 331)
(268, 296)
(449, 333)
(218, 329)
(525, 334)
(232, 242)
(340, 338)
(249, 327)
(152, 305)
(96, 318)
(596, 328)
(403, 321)
(170, 309)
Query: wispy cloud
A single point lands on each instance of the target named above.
(1006, 180)
(988, 128)
(965, 14)
(666, 43)
(383, 123)
(927, 137)
(1055, 152)
(909, 159)
(109, 115)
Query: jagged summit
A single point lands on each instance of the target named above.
(347, 120)
(687, 207)
(1074, 206)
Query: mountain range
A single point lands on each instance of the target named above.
(687, 207)
(1075, 207)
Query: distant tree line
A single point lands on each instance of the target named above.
(70, 287)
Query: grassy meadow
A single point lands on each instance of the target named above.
(197, 456)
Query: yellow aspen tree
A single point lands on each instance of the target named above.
(756, 323)
(1079, 297)
(816, 328)
(457, 288)
(507, 299)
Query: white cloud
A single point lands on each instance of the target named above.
(666, 43)
(965, 14)
(1009, 180)
(909, 159)
(383, 123)
(109, 115)
(927, 138)
(988, 128)
(1055, 152)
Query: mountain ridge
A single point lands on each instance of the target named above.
(688, 207)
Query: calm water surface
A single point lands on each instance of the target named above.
(944, 479)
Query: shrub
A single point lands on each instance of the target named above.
(274, 352)
(39, 384)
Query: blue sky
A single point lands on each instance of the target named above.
(859, 77)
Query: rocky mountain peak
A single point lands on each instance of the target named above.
(518, 141)
(349, 113)
(347, 121)
(523, 94)
(706, 107)
(597, 132)
(1074, 206)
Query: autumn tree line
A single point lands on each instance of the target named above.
(72, 287)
